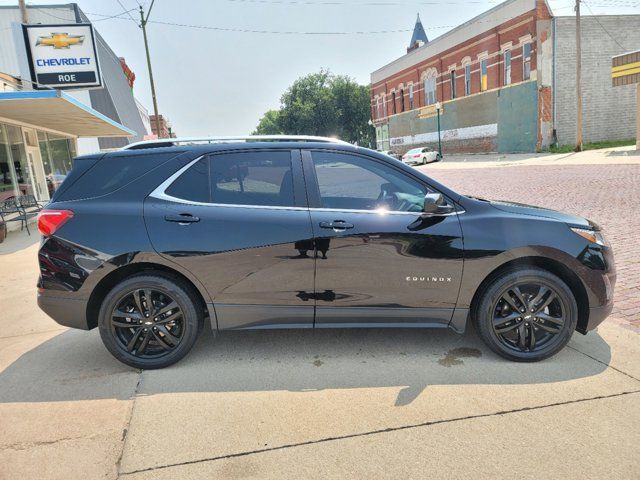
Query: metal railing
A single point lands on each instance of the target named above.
(168, 142)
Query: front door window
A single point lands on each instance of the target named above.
(355, 183)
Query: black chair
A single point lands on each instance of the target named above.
(29, 203)
(11, 211)
(24, 207)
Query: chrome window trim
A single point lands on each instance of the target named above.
(385, 212)
(160, 193)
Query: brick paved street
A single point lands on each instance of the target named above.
(606, 194)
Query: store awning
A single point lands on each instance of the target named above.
(60, 112)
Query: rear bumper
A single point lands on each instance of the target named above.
(66, 311)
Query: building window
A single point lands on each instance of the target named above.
(467, 79)
(430, 90)
(484, 81)
(402, 100)
(394, 108)
(35, 167)
(526, 61)
(452, 77)
(384, 105)
(411, 96)
(378, 109)
(507, 67)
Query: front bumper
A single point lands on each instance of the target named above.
(599, 312)
(69, 312)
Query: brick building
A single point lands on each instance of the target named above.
(165, 127)
(493, 79)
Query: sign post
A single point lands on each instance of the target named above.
(625, 70)
(438, 108)
(62, 56)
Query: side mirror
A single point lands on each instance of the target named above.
(436, 204)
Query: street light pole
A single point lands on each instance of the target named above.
(143, 25)
(578, 81)
(438, 106)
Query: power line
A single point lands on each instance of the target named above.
(602, 3)
(364, 4)
(595, 17)
(103, 16)
(297, 32)
(127, 11)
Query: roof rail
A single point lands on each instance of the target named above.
(170, 142)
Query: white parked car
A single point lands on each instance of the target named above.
(391, 153)
(420, 155)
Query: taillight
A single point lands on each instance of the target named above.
(51, 220)
(416, 156)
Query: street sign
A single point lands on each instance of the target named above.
(62, 56)
(625, 68)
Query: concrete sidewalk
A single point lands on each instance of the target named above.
(325, 404)
(605, 156)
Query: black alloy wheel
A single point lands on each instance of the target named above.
(150, 321)
(527, 315)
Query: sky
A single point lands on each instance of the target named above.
(216, 82)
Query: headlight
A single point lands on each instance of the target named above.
(592, 236)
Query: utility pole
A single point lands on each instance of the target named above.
(438, 107)
(578, 81)
(23, 11)
(143, 25)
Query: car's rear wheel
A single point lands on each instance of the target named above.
(527, 314)
(150, 321)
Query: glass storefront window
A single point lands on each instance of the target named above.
(8, 183)
(19, 156)
(57, 155)
(56, 152)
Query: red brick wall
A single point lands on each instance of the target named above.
(489, 42)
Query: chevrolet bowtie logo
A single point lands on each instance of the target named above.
(60, 40)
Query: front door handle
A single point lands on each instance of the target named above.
(182, 219)
(337, 225)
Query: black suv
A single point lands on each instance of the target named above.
(152, 242)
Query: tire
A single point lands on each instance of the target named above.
(508, 331)
(424, 160)
(163, 334)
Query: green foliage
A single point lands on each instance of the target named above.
(323, 104)
(268, 124)
(593, 146)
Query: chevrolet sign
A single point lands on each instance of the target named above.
(62, 56)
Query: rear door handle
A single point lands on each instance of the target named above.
(183, 218)
(337, 225)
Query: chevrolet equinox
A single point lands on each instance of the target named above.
(152, 242)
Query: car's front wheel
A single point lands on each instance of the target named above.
(526, 315)
(150, 321)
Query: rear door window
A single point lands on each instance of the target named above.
(192, 185)
(261, 178)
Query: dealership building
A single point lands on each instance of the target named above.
(505, 82)
(63, 92)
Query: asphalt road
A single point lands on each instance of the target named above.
(328, 404)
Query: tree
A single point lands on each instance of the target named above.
(323, 104)
(268, 124)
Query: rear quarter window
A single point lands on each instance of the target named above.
(113, 172)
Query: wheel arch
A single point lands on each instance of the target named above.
(116, 276)
(553, 266)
